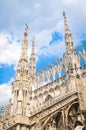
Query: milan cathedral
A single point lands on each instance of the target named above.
(58, 101)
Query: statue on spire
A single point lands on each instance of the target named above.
(26, 27)
(32, 64)
(64, 13)
(68, 37)
(33, 46)
(33, 40)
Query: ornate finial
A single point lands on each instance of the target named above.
(24, 51)
(26, 30)
(64, 13)
(26, 27)
(33, 46)
(33, 39)
(68, 36)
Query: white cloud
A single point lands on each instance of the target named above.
(70, 2)
(43, 47)
(37, 5)
(5, 93)
(41, 14)
(10, 49)
(9, 52)
(43, 17)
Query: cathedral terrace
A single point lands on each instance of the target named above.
(58, 100)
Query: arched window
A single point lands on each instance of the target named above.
(17, 93)
(46, 80)
(48, 97)
(45, 93)
(26, 93)
(63, 72)
(51, 90)
(82, 61)
(56, 75)
(51, 78)
(69, 66)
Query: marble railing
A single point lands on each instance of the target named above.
(52, 101)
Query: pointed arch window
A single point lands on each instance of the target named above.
(51, 78)
(46, 80)
(63, 72)
(56, 75)
(82, 61)
(48, 97)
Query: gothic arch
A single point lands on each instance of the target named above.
(40, 95)
(49, 124)
(56, 119)
(35, 97)
(82, 61)
(56, 75)
(75, 102)
(51, 78)
(74, 116)
(78, 122)
(41, 82)
(46, 80)
(51, 90)
(48, 97)
(57, 87)
(45, 93)
(59, 121)
(63, 73)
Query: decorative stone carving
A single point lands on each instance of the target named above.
(52, 99)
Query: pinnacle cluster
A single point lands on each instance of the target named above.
(58, 101)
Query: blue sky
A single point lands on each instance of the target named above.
(45, 21)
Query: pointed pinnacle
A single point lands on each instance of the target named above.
(33, 40)
(26, 27)
(33, 46)
(26, 30)
(64, 14)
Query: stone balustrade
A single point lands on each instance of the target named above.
(52, 101)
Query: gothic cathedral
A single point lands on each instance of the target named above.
(57, 104)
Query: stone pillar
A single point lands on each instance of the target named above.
(19, 109)
(23, 127)
(18, 127)
(53, 125)
(27, 128)
(64, 118)
(27, 109)
(81, 87)
(37, 126)
(20, 95)
(11, 111)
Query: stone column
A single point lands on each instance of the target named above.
(64, 118)
(53, 125)
(37, 126)
(11, 111)
(18, 127)
(19, 109)
(23, 127)
(27, 109)
(27, 128)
